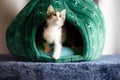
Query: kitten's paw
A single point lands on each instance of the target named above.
(47, 50)
(56, 57)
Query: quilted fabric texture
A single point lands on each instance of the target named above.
(84, 15)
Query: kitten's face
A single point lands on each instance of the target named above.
(55, 17)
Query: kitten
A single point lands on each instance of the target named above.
(52, 33)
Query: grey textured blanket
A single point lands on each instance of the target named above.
(106, 68)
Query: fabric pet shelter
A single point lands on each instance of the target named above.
(82, 15)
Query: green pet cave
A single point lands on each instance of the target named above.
(83, 19)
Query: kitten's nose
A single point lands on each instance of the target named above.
(57, 17)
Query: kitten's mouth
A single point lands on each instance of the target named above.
(56, 19)
(58, 22)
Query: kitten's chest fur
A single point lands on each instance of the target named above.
(52, 33)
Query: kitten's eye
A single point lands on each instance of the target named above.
(54, 14)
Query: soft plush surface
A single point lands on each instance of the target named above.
(106, 68)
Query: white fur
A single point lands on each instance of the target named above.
(53, 35)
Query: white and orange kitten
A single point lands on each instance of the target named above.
(52, 33)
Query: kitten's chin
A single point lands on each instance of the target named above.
(59, 23)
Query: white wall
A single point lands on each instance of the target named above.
(111, 12)
(8, 10)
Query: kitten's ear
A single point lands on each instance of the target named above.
(63, 12)
(50, 9)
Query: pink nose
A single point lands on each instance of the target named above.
(56, 17)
